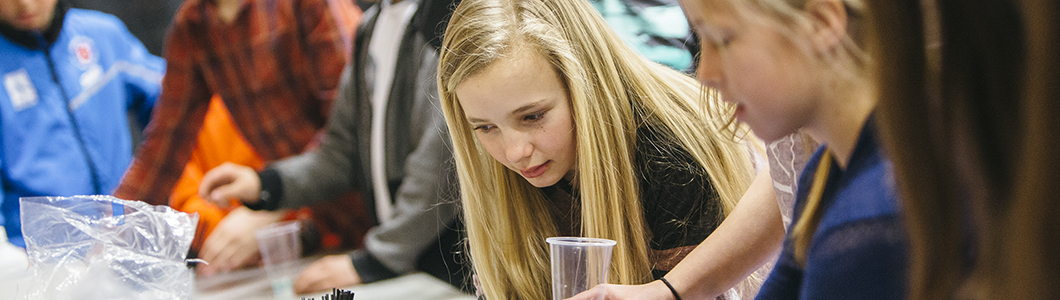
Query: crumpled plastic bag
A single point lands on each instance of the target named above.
(101, 247)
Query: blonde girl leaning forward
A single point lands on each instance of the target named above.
(560, 129)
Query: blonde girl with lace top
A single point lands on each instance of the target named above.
(847, 240)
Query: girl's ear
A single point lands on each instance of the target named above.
(829, 19)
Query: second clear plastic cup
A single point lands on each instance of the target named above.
(280, 250)
(578, 264)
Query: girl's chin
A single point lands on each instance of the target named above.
(542, 181)
(769, 134)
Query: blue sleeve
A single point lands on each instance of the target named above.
(143, 77)
(783, 282)
(866, 260)
(2, 191)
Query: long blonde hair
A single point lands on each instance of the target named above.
(612, 91)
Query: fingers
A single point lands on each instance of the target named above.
(310, 279)
(229, 181)
(333, 271)
(221, 194)
(229, 254)
(592, 294)
(653, 290)
(214, 179)
(210, 252)
(233, 243)
(217, 250)
(237, 253)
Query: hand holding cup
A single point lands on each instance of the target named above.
(578, 264)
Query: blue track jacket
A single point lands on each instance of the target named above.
(64, 103)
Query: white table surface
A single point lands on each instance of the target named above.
(9, 283)
(252, 284)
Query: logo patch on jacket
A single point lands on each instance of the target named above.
(20, 89)
(83, 50)
(84, 53)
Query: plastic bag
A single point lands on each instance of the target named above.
(101, 247)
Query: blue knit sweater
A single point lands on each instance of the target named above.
(860, 248)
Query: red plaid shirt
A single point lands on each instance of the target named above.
(276, 65)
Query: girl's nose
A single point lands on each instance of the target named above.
(709, 71)
(517, 147)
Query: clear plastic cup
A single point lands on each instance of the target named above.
(578, 264)
(280, 250)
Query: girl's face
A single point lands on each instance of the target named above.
(520, 111)
(754, 66)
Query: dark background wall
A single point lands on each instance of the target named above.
(148, 20)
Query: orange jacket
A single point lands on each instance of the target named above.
(219, 141)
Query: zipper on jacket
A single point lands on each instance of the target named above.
(70, 113)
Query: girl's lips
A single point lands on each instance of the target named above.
(533, 172)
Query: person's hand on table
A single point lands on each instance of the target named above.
(332, 271)
(229, 181)
(652, 290)
(233, 244)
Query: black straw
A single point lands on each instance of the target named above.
(336, 294)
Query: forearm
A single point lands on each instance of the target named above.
(748, 238)
(399, 243)
(310, 177)
(368, 268)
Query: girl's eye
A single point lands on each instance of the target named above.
(485, 128)
(533, 117)
(717, 38)
(725, 41)
(722, 41)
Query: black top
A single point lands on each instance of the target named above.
(681, 207)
